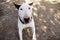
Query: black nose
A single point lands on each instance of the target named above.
(26, 19)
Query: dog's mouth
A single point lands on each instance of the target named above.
(26, 20)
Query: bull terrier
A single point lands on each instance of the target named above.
(25, 18)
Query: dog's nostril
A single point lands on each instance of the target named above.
(28, 18)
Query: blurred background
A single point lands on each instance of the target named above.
(46, 16)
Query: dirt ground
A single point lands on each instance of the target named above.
(46, 16)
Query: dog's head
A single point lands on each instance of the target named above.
(25, 11)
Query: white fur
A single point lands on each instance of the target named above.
(25, 12)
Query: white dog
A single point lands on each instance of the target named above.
(25, 18)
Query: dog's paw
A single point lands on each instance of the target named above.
(34, 39)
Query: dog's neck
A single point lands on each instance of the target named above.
(22, 21)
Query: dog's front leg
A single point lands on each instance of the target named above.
(33, 31)
(20, 34)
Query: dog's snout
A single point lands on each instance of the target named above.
(26, 19)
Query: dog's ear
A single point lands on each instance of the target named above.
(31, 4)
(16, 5)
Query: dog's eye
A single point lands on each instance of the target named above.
(29, 8)
(21, 9)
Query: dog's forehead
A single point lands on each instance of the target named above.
(25, 5)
